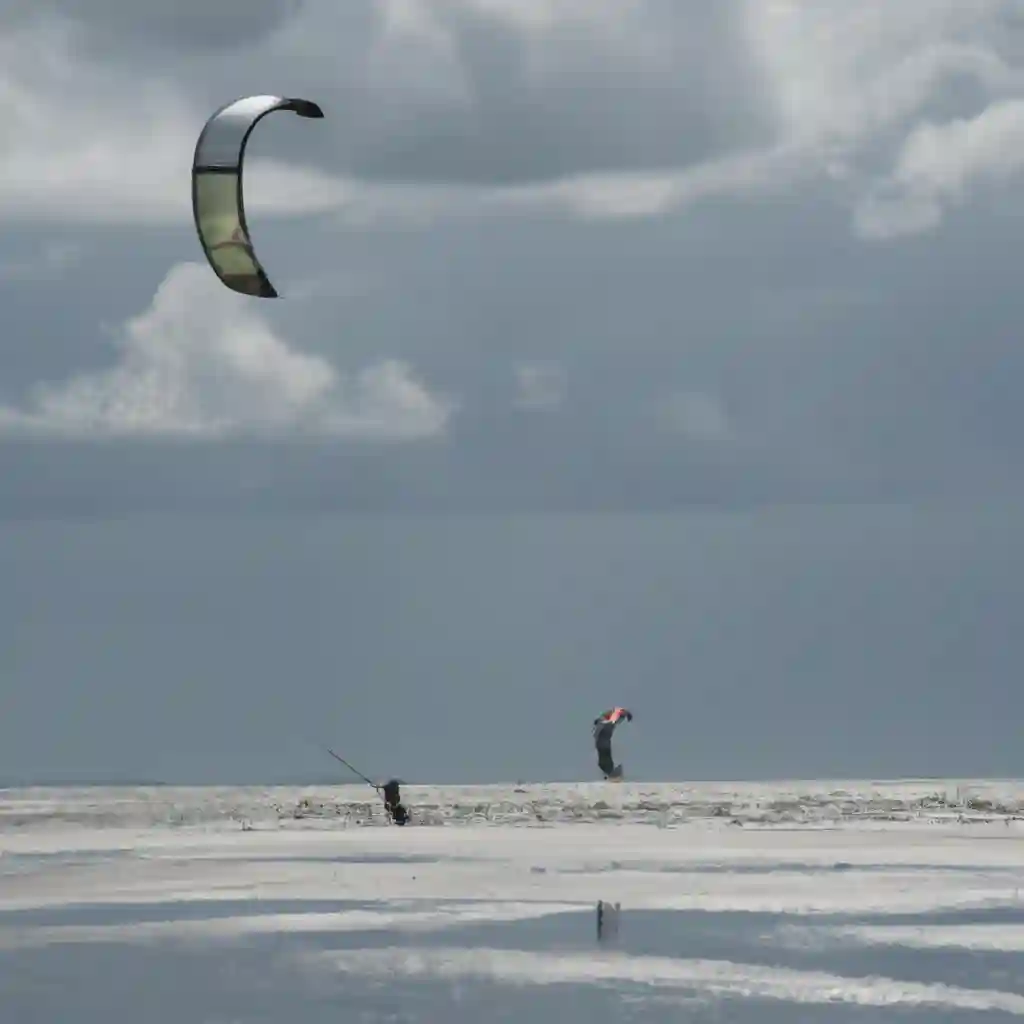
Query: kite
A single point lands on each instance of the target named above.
(218, 208)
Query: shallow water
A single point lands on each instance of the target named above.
(112, 919)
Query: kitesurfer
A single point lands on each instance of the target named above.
(393, 802)
(604, 726)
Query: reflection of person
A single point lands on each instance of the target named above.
(393, 802)
(607, 920)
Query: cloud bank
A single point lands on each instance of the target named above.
(203, 363)
(439, 107)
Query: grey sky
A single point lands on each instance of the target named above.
(542, 262)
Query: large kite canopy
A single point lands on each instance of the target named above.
(604, 726)
(217, 203)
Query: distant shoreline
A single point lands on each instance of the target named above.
(7, 785)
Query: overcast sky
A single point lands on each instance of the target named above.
(656, 353)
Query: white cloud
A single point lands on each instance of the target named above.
(540, 385)
(74, 150)
(938, 166)
(879, 216)
(50, 261)
(947, 158)
(844, 73)
(699, 416)
(609, 196)
(202, 362)
(851, 79)
(589, 197)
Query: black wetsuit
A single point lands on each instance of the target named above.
(393, 802)
(603, 742)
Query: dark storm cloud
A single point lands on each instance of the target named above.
(498, 104)
(108, 26)
(586, 111)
